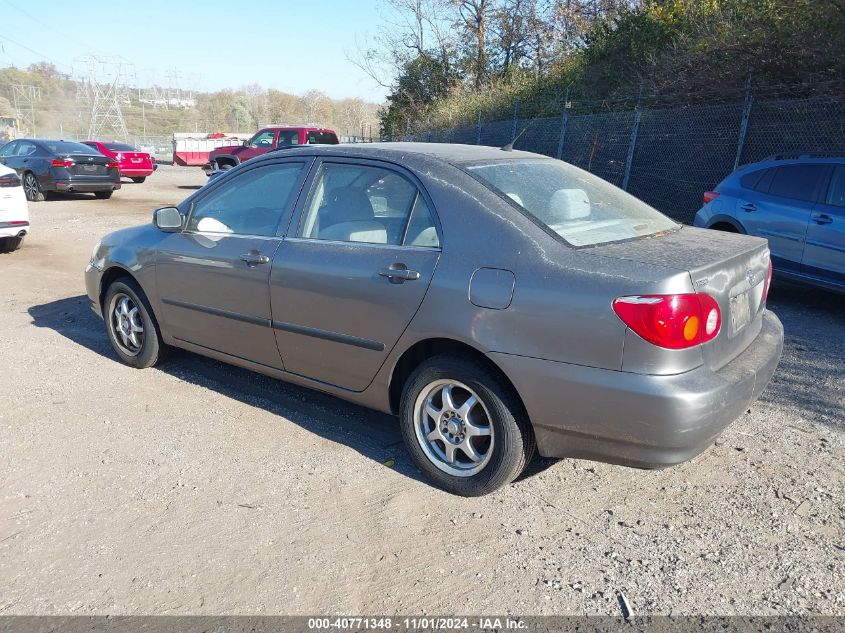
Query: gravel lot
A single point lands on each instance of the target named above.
(198, 488)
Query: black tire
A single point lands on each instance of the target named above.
(32, 188)
(224, 166)
(10, 244)
(139, 179)
(103, 195)
(151, 349)
(512, 439)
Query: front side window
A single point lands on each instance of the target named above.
(796, 182)
(252, 203)
(581, 208)
(262, 139)
(360, 203)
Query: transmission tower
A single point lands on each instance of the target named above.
(25, 97)
(106, 89)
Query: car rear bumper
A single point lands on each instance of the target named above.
(14, 229)
(636, 419)
(136, 172)
(85, 185)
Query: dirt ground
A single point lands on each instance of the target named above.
(198, 488)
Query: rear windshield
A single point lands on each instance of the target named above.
(120, 147)
(322, 138)
(68, 147)
(581, 208)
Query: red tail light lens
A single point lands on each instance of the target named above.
(62, 162)
(10, 180)
(671, 321)
(768, 281)
(710, 196)
(112, 165)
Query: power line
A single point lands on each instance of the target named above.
(33, 51)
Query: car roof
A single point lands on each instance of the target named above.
(796, 158)
(412, 152)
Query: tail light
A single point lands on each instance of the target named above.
(671, 321)
(10, 180)
(768, 281)
(710, 196)
(62, 162)
(112, 165)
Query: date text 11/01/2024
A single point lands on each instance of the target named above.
(422, 623)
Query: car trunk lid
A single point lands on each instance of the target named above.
(89, 164)
(729, 267)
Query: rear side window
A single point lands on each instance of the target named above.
(836, 193)
(749, 181)
(796, 182)
(362, 203)
(321, 138)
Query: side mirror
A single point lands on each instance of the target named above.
(245, 143)
(167, 219)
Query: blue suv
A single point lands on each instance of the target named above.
(797, 202)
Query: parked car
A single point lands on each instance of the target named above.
(265, 140)
(14, 215)
(795, 201)
(131, 163)
(494, 300)
(47, 166)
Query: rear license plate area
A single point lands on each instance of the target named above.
(89, 168)
(740, 312)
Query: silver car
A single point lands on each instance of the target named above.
(495, 301)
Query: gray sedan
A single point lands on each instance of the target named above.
(495, 301)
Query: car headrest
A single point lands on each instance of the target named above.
(569, 204)
(348, 204)
(515, 197)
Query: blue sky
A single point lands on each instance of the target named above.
(290, 45)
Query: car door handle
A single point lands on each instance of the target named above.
(399, 273)
(254, 258)
(749, 207)
(824, 218)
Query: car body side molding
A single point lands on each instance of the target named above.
(335, 337)
(218, 312)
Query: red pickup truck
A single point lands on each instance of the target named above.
(265, 140)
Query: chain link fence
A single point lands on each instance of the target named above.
(665, 153)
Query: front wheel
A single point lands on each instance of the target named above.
(103, 195)
(31, 188)
(464, 426)
(131, 326)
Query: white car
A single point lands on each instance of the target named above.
(14, 214)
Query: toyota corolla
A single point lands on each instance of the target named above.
(495, 301)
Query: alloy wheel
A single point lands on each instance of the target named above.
(453, 428)
(30, 187)
(126, 324)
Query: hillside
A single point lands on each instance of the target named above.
(60, 112)
(607, 51)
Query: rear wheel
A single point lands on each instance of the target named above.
(464, 426)
(139, 179)
(31, 188)
(131, 326)
(10, 244)
(103, 195)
